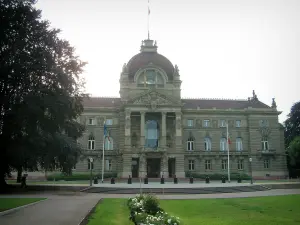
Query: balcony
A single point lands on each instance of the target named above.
(267, 152)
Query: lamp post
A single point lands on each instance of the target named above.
(250, 164)
(91, 169)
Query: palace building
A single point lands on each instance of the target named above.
(154, 132)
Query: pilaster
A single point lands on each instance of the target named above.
(128, 128)
(142, 141)
(164, 129)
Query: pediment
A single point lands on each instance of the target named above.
(153, 99)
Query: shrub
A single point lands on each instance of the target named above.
(77, 176)
(233, 176)
(145, 210)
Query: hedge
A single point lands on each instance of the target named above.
(78, 176)
(216, 176)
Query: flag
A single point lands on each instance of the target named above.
(229, 141)
(105, 132)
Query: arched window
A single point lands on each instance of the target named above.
(239, 144)
(91, 142)
(151, 134)
(150, 77)
(265, 144)
(207, 144)
(223, 146)
(109, 143)
(190, 144)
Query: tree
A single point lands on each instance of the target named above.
(292, 124)
(294, 151)
(291, 133)
(41, 92)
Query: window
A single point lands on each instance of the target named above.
(151, 134)
(239, 144)
(109, 122)
(266, 163)
(109, 143)
(208, 164)
(191, 165)
(223, 144)
(238, 123)
(264, 144)
(89, 164)
(224, 164)
(206, 123)
(91, 143)
(207, 144)
(108, 164)
(190, 144)
(222, 123)
(91, 121)
(240, 164)
(150, 77)
(190, 123)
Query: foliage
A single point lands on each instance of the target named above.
(145, 210)
(41, 93)
(77, 176)
(294, 151)
(292, 124)
(216, 176)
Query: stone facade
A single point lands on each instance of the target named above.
(190, 132)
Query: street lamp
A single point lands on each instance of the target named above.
(250, 163)
(91, 163)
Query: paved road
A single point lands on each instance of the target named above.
(70, 208)
(56, 210)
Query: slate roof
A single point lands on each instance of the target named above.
(188, 103)
(144, 58)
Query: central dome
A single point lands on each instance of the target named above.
(149, 55)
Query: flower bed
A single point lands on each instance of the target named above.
(145, 210)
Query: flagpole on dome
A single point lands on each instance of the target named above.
(148, 20)
(228, 141)
(103, 146)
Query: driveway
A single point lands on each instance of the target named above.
(61, 209)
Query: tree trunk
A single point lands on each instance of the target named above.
(19, 176)
(3, 184)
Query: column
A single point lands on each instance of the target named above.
(178, 129)
(127, 128)
(142, 141)
(164, 129)
(179, 148)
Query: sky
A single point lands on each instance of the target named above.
(223, 48)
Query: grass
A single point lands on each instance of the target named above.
(238, 211)
(87, 182)
(10, 203)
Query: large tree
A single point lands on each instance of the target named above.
(41, 92)
(292, 134)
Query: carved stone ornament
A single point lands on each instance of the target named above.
(152, 99)
(265, 131)
(127, 123)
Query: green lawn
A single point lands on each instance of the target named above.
(239, 211)
(10, 203)
(87, 182)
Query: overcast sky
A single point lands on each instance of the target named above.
(223, 48)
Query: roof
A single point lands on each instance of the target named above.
(112, 102)
(144, 58)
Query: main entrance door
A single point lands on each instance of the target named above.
(135, 167)
(153, 168)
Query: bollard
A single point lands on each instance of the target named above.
(95, 180)
(129, 180)
(207, 179)
(175, 180)
(223, 179)
(146, 180)
(191, 180)
(239, 180)
(112, 180)
(162, 180)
